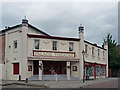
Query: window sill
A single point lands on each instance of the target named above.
(36, 49)
(16, 74)
(98, 57)
(86, 54)
(71, 51)
(93, 56)
(15, 50)
(103, 58)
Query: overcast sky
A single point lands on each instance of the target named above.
(63, 19)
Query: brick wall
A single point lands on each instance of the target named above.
(118, 48)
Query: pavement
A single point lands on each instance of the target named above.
(54, 84)
(111, 84)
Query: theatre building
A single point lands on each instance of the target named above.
(28, 52)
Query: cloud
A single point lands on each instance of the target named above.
(63, 19)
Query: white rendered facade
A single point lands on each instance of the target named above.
(29, 60)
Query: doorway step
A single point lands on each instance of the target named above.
(52, 77)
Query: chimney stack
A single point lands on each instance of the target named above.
(81, 28)
(81, 32)
(24, 22)
(81, 48)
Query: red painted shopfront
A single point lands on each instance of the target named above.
(50, 67)
(95, 69)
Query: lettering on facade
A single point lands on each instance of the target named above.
(53, 54)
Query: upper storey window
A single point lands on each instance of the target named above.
(103, 53)
(36, 44)
(86, 47)
(98, 52)
(15, 44)
(54, 45)
(92, 51)
(70, 46)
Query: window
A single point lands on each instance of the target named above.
(91, 70)
(15, 44)
(98, 52)
(103, 53)
(92, 51)
(54, 45)
(36, 44)
(16, 68)
(70, 46)
(86, 48)
(97, 70)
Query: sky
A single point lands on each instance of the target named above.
(64, 18)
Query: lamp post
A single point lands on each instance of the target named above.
(83, 52)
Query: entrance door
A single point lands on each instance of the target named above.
(36, 68)
(16, 68)
(50, 67)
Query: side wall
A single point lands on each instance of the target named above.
(13, 55)
(101, 59)
(2, 48)
(2, 56)
(18, 55)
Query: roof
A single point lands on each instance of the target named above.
(94, 45)
(20, 25)
(47, 35)
(52, 37)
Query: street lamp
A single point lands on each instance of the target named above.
(83, 52)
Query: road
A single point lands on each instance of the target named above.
(97, 83)
(20, 86)
(109, 84)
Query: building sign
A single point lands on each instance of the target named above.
(54, 54)
(74, 68)
(30, 68)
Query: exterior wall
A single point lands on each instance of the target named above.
(32, 31)
(2, 72)
(106, 54)
(30, 72)
(118, 49)
(25, 47)
(18, 55)
(12, 55)
(75, 73)
(46, 45)
(95, 59)
(81, 45)
(2, 48)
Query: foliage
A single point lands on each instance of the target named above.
(113, 56)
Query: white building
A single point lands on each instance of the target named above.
(31, 52)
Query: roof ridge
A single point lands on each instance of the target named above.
(29, 25)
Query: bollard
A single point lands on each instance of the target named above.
(19, 77)
(26, 80)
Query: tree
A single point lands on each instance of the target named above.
(113, 56)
